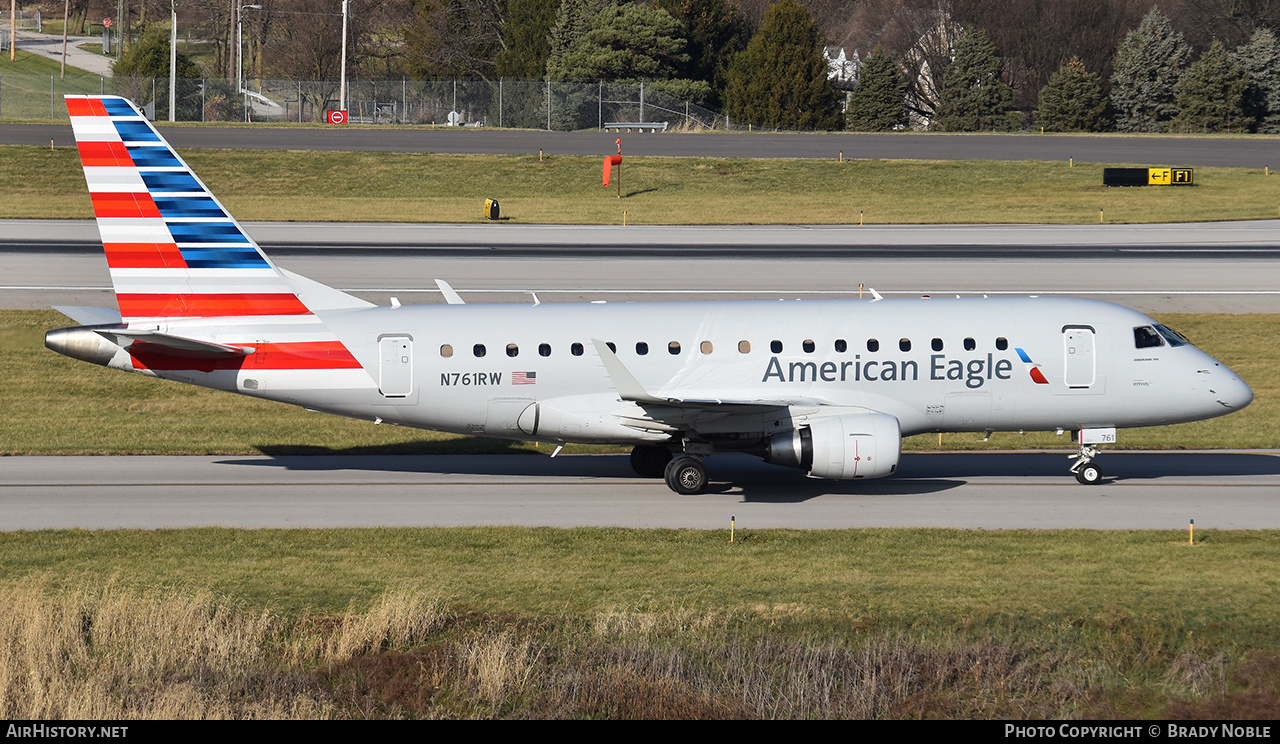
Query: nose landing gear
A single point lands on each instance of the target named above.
(1084, 468)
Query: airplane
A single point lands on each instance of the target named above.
(827, 386)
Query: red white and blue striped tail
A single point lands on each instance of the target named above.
(173, 250)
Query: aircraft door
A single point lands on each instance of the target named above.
(395, 373)
(1079, 361)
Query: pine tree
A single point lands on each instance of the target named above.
(1146, 70)
(714, 33)
(526, 38)
(573, 19)
(780, 79)
(626, 42)
(973, 97)
(1072, 101)
(878, 102)
(1260, 61)
(1211, 94)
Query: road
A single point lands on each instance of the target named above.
(1244, 152)
(1219, 490)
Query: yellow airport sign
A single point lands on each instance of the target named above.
(1168, 176)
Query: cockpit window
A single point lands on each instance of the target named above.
(1173, 337)
(1145, 337)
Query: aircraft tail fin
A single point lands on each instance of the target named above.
(173, 249)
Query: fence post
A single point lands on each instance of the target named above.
(548, 103)
(499, 103)
(600, 108)
(51, 116)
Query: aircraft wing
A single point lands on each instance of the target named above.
(630, 389)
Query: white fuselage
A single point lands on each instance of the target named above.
(935, 364)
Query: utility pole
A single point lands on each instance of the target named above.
(66, 18)
(173, 58)
(342, 86)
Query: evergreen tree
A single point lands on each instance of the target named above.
(878, 103)
(714, 33)
(526, 38)
(149, 58)
(973, 97)
(1260, 61)
(1211, 94)
(626, 42)
(573, 20)
(1146, 70)
(1072, 101)
(780, 79)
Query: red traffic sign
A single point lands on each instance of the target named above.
(337, 117)
(106, 23)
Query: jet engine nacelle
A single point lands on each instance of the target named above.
(859, 445)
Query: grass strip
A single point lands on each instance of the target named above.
(515, 622)
(56, 405)
(426, 187)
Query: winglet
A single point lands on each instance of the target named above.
(626, 384)
(450, 296)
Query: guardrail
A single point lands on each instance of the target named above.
(652, 126)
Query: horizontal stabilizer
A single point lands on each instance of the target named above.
(90, 315)
(164, 343)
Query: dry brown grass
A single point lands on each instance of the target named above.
(109, 653)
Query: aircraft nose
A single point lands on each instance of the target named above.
(1229, 390)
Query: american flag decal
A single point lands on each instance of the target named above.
(524, 378)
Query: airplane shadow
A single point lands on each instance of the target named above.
(759, 482)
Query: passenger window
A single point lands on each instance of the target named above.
(513, 350)
(575, 349)
(478, 350)
(673, 348)
(544, 349)
(706, 347)
(873, 345)
(446, 351)
(904, 344)
(642, 348)
(809, 346)
(937, 344)
(1002, 343)
(841, 346)
(775, 347)
(744, 347)
(970, 344)
(1145, 337)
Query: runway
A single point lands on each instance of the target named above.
(1219, 490)
(1208, 268)
(1215, 267)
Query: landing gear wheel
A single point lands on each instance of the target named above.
(1089, 474)
(650, 461)
(686, 475)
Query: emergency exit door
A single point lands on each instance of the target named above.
(1080, 363)
(395, 378)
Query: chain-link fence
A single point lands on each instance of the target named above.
(527, 104)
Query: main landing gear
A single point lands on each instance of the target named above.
(1084, 468)
(684, 473)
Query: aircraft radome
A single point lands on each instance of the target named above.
(828, 386)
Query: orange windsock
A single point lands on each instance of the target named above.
(609, 162)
